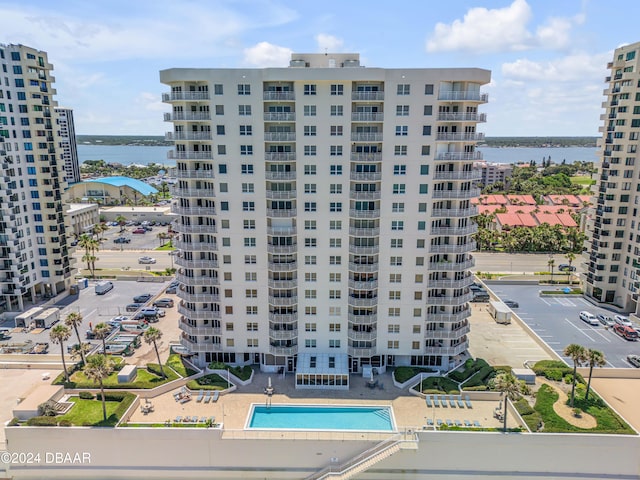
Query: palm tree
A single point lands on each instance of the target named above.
(97, 369)
(551, 264)
(73, 320)
(102, 331)
(509, 386)
(577, 354)
(121, 222)
(570, 258)
(594, 358)
(60, 334)
(162, 236)
(152, 336)
(91, 246)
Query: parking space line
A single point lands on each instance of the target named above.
(600, 333)
(579, 329)
(545, 301)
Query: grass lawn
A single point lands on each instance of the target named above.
(584, 180)
(89, 412)
(402, 374)
(212, 381)
(167, 247)
(144, 379)
(175, 361)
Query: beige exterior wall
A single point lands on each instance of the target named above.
(81, 216)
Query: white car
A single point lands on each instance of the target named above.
(146, 260)
(589, 318)
(621, 320)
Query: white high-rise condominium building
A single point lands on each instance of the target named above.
(68, 145)
(612, 252)
(324, 214)
(34, 259)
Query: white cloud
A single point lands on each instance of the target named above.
(576, 67)
(152, 102)
(265, 54)
(329, 43)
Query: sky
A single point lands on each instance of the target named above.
(547, 57)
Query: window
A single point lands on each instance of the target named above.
(309, 110)
(337, 111)
(399, 169)
(310, 260)
(246, 149)
(309, 131)
(422, 225)
(336, 130)
(396, 242)
(393, 328)
(402, 110)
(334, 327)
(426, 130)
(310, 294)
(335, 225)
(333, 344)
(219, 129)
(309, 188)
(428, 110)
(244, 110)
(335, 242)
(248, 188)
(397, 225)
(422, 207)
(252, 326)
(244, 89)
(222, 168)
(335, 260)
(335, 277)
(404, 89)
(224, 223)
(394, 312)
(395, 277)
(309, 169)
(335, 169)
(310, 150)
(310, 206)
(246, 130)
(310, 277)
(249, 224)
(337, 89)
(397, 207)
(251, 276)
(334, 294)
(424, 188)
(395, 261)
(335, 150)
(335, 188)
(309, 89)
(249, 242)
(399, 188)
(311, 242)
(247, 169)
(428, 89)
(402, 130)
(224, 206)
(310, 343)
(248, 206)
(419, 261)
(217, 89)
(222, 150)
(309, 224)
(400, 150)
(424, 169)
(335, 206)
(219, 109)
(310, 327)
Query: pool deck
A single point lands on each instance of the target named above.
(232, 409)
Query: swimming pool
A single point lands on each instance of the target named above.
(321, 417)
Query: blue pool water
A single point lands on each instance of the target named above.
(321, 417)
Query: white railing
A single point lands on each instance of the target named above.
(466, 95)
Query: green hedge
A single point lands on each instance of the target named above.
(439, 385)
(403, 374)
(43, 422)
(86, 395)
(480, 377)
(471, 366)
(243, 373)
(554, 370)
(479, 388)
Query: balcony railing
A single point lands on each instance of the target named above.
(462, 117)
(367, 117)
(459, 137)
(465, 95)
(280, 156)
(199, 331)
(460, 194)
(282, 283)
(198, 297)
(283, 318)
(362, 336)
(360, 195)
(282, 249)
(364, 232)
(457, 175)
(183, 262)
(450, 283)
(448, 351)
(364, 213)
(366, 157)
(278, 96)
(450, 300)
(363, 267)
(174, 155)
(368, 250)
(196, 228)
(453, 156)
(363, 302)
(363, 319)
(194, 347)
(193, 192)
(366, 137)
(455, 212)
(274, 350)
(283, 301)
(459, 231)
(365, 176)
(198, 281)
(467, 247)
(361, 352)
(187, 116)
(452, 266)
(278, 230)
(448, 317)
(280, 194)
(196, 246)
(367, 96)
(282, 266)
(283, 334)
(287, 176)
(279, 116)
(279, 136)
(191, 173)
(183, 136)
(447, 334)
(184, 96)
(366, 285)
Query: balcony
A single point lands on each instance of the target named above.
(467, 247)
(367, 117)
(362, 352)
(194, 347)
(287, 176)
(365, 176)
(199, 331)
(198, 314)
(364, 213)
(364, 232)
(280, 156)
(364, 285)
(191, 173)
(459, 137)
(281, 212)
(454, 212)
(462, 117)
(363, 319)
(184, 96)
(193, 192)
(183, 262)
(283, 334)
(452, 266)
(187, 117)
(196, 246)
(282, 266)
(464, 95)
(368, 250)
(283, 318)
(366, 157)
(283, 283)
(454, 156)
(457, 175)
(360, 195)
(282, 249)
(450, 283)
(174, 155)
(198, 297)
(286, 351)
(458, 231)
(278, 230)
(367, 96)
(269, 96)
(195, 228)
(183, 136)
(366, 137)
(362, 336)
(363, 302)
(447, 351)
(450, 300)
(280, 194)
(363, 267)
(279, 116)
(279, 136)
(456, 194)
(283, 301)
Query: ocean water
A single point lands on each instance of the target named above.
(127, 155)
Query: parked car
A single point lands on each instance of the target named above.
(148, 228)
(605, 320)
(152, 312)
(622, 320)
(172, 289)
(146, 260)
(474, 287)
(589, 318)
(481, 296)
(139, 230)
(73, 243)
(132, 307)
(90, 334)
(142, 298)
(122, 240)
(163, 303)
(634, 360)
(625, 332)
(511, 303)
(565, 267)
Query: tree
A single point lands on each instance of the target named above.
(97, 369)
(551, 263)
(570, 258)
(60, 334)
(122, 221)
(162, 236)
(74, 320)
(152, 336)
(102, 331)
(577, 354)
(594, 358)
(509, 386)
(91, 246)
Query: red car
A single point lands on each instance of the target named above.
(139, 230)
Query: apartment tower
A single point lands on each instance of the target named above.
(68, 145)
(34, 258)
(324, 214)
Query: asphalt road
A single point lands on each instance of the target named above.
(128, 260)
(519, 263)
(556, 322)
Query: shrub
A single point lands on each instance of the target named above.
(42, 422)
(503, 368)
(470, 368)
(15, 421)
(568, 378)
(64, 423)
(47, 409)
(402, 374)
(523, 407)
(480, 377)
(439, 385)
(86, 395)
(533, 421)
(243, 373)
(113, 396)
(212, 381)
(155, 369)
(479, 388)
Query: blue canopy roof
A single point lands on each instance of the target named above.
(141, 187)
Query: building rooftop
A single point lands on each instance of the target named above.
(138, 185)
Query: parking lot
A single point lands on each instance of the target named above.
(556, 321)
(139, 241)
(93, 308)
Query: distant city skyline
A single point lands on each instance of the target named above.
(548, 59)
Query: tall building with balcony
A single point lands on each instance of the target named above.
(324, 214)
(34, 259)
(68, 146)
(612, 249)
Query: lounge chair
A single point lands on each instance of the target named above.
(178, 419)
(476, 423)
(467, 423)
(443, 401)
(214, 396)
(200, 396)
(185, 399)
(458, 423)
(449, 422)
(207, 396)
(428, 400)
(452, 402)
(460, 402)
(467, 400)
(176, 396)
